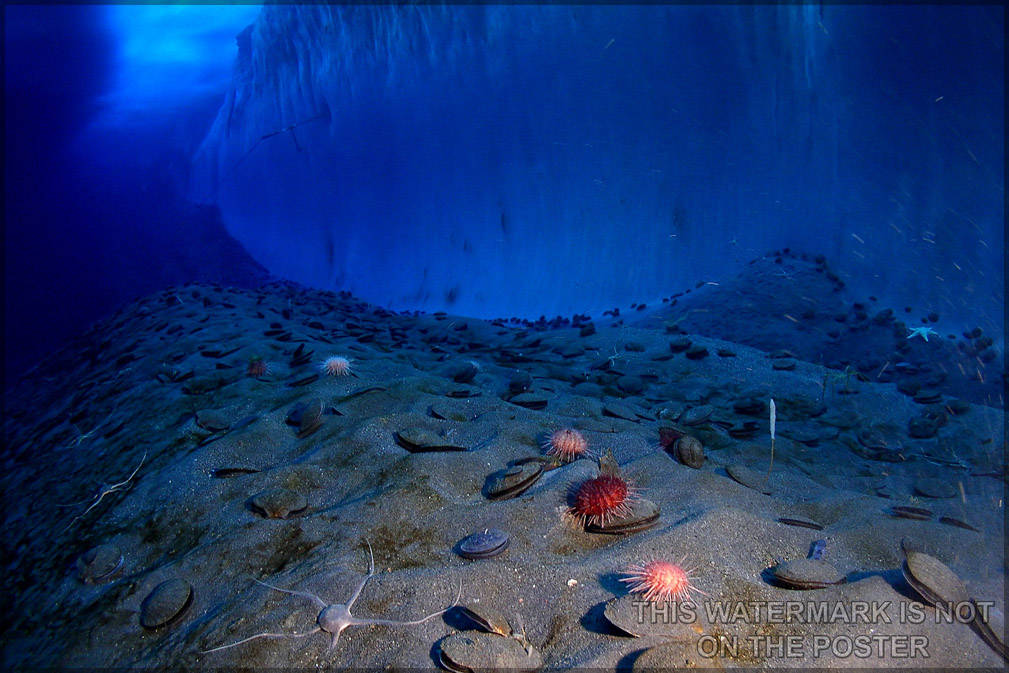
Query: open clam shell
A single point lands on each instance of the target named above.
(931, 578)
(166, 604)
(643, 515)
(642, 618)
(992, 630)
(807, 573)
(750, 478)
(487, 618)
(472, 651)
(311, 418)
(100, 564)
(512, 481)
(278, 503)
(941, 587)
(419, 440)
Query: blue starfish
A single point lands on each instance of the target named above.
(923, 332)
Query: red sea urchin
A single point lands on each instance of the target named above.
(599, 500)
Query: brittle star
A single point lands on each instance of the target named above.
(81, 436)
(333, 619)
(105, 490)
(616, 356)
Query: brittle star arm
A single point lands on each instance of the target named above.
(81, 436)
(262, 635)
(364, 580)
(115, 487)
(106, 490)
(390, 622)
(305, 594)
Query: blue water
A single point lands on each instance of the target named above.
(499, 161)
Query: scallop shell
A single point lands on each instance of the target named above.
(475, 651)
(640, 618)
(993, 630)
(620, 410)
(931, 578)
(278, 503)
(679, 653)
(463, 372)
(488, 619)
(908, 512)
(643, 515)
(212, 420)
(418, 440)
(513, 481)
(697, 415)
(530, 401)
(950, 521)
(689, 451)
(484, 544)
(758, 481)
(100, 564)
(311, 418)
(807, 573)
(934, 487)
(166, 604)
(800, 521)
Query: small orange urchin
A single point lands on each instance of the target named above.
(661, 581)
(566, 445)
(599, 500)
(258, 367)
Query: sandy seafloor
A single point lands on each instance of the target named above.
(164, 386)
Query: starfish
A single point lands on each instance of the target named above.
(923, 332)
(333, 619)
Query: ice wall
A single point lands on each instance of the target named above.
(545, 159)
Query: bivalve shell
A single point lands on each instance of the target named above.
(485, 544)
(643, 515)
(807, 573)
(278, 503)
(513, 481)
(100, 564)
(488, 619)
(909, 512)
(473, 651)
(311, 418)
(420, 440)
(750, 478)
(931, 578)
(697, 415)
(689, 451)
(640, 618)
(166, 604)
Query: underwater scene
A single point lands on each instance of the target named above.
(518, 337)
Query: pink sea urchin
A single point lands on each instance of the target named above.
(336, 366)
(566, 445)
(661, 581)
